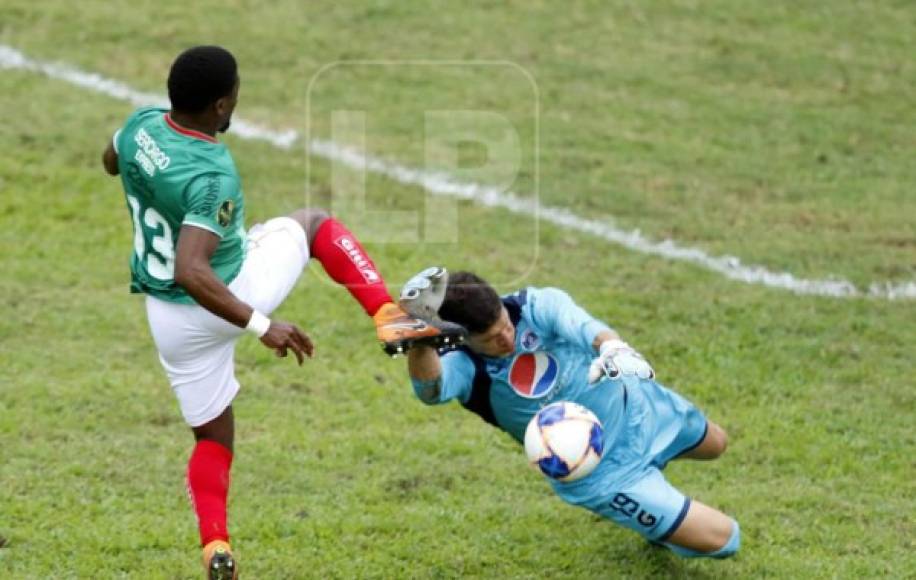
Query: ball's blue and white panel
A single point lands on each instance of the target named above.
(551, 414)
(534, 443)
(565, 441)
(569, 439)
(577, 411)
(588, 464)
(553, 466)
(596, 439)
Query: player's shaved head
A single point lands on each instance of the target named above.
(471, 302)
(200, 76)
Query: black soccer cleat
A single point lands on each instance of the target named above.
(222, 567)
(448, 337)
(219, 562)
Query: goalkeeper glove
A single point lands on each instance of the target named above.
(617, 358)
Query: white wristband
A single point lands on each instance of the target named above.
(258, 324)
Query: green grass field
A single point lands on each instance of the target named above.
(781, 133)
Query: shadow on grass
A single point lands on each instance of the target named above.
(631, 556)
(666, 564)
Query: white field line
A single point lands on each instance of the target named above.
(444, 185)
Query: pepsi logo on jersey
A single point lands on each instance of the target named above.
(533, 374)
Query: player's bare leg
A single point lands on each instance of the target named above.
(310, 219)
(707, 532)
(208, 486)
(347, 263)
(221, 430)
(713, 445)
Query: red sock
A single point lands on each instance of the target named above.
(347, 263)
(208, 487)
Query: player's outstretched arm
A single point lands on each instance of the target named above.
(439, 378)
(110, 159)
(615, 358)
(193, 273)
(435, 379)
(556, 311)
(425, 371)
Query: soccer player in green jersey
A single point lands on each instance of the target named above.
(207, 280)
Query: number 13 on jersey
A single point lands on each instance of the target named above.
(159, 255)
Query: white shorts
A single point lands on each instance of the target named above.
(196, 347)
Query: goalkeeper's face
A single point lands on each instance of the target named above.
(496, 341)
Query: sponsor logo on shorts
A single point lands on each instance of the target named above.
(362, 263)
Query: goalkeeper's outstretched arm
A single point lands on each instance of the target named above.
(425, 371)
(436, 379)
(440, 378)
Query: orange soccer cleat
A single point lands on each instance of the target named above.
(398, 331)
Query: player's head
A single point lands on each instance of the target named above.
(204, 81)
(475, 305)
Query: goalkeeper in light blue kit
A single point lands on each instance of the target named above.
(536, 346)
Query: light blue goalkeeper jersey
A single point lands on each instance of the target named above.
(553, 351)
(645, 424)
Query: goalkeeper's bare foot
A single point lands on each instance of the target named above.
(398, 331)
(219, 562)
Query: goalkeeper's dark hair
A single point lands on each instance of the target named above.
(471, 302)
(200, 76)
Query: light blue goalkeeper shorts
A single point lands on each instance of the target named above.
(628, 486)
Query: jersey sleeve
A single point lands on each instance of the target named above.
(211, 203)
(455, 382)
(127, 130)
(555, 311)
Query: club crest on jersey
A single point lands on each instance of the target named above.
(529, 340)
(533, 374)
(224, 214)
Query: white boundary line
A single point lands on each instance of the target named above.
(444, 185)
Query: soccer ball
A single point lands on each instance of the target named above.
(564, 441)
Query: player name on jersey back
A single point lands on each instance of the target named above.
(148, 154)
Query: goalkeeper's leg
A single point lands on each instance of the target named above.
(714, 444)
(659, 512)
(705, 533)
